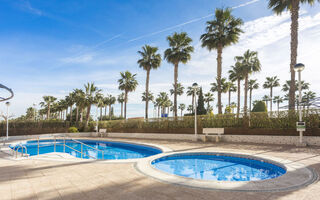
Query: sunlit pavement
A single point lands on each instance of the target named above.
(43, 179)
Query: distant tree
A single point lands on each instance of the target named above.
(307, 97)
(200, 108)
(208, 97)
(127, 83)
(181, 107)
(190, 92)
(190, 109)
(266, 98)
(259, 106)
(277, 100)
(237, 74)
(47, 102)
(180, 89)
(120, 100)
(252, 85)
(270, 83)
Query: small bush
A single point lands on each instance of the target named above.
(73, 130)
(260, 106)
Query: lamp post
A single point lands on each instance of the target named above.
(300, 125)
(195, 88)
(7, 104)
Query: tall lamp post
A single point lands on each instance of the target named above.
(195, 88)
(7, 104)
(300, 125)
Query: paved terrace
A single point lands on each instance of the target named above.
(42, 179)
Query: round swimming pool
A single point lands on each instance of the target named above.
(91, 149)
(218, 167)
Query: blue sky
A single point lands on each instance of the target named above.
(52, 47)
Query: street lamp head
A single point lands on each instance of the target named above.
(7, 103)
(195, 85)
(298, 67)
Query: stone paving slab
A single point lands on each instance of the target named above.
(49, 179)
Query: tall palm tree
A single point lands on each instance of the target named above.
(150, 59)
(190, 92)
(182, 106)
(236, 73)
(279, 6)
(221, 32)
(47, 102)
(230, 87)
(120, 100)
(127, 83)
(92, 95)
(250, 64)
(277, 100)
(252, 85)
(179, 52)
(208, 97)
(270, 83)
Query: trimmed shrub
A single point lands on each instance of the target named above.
(260, 106)
(73, 130)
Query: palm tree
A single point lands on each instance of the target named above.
(266, 98)
(279, 6)
(182, 106)
(92, 95)
(190, 92)
(110, 101)
(221, 32)
(208, 97)
(271, 82)
(70, 99)
(307, 96)
(223, 89)
(250, 64)
(237, 74)
(120, 99)
(277, 100)
(150, 96)
(47, 102)
(179, 52)
(252, 85)
(164, 101)
(230, 87)
(100, 105)
(180, 89)
(79, 97)
(127, 83)
(286, 86)
(190, 109)
(150, 60)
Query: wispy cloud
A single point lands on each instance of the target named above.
(25, 5)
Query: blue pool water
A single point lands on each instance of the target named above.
(111, 150)
(217, 167)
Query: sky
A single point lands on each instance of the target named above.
(52, 47)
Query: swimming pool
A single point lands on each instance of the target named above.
(92, 149)
(218, 167)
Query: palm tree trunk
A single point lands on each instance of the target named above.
(229, 98)
(122, 109)
(125, 104)
(158, 111)
(250, 99)
(88, 115)
(48, 113)
(147, 93)
(245, 94)
(77, 114)
(192, 101)
(66, 113)
(271, 99)
(238, 107)
(294, 49)
(181, 112)
(100, 113)
(81, 115)
(70, 114)
(105, 111)
(175, 89)
(110, 111)
(219, 71)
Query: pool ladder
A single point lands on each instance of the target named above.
(20, 146)
(64, 147)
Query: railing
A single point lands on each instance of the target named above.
(20, 146)
(65, 145)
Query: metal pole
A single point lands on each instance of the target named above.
(195, 117)
(81, 150)
(300, 111)
(54, 149)
(7, 120)
(38, 145)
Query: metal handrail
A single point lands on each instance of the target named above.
(22, 147)
(64, 146)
